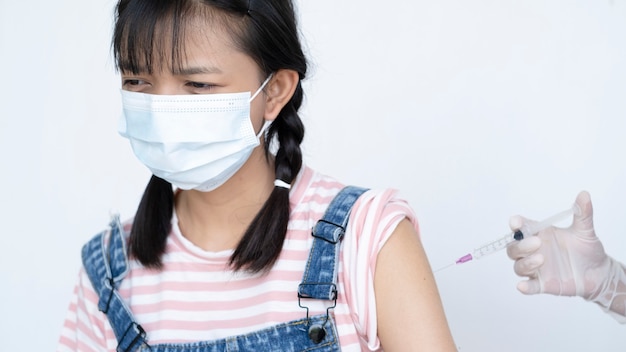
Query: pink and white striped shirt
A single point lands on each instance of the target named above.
(196, 297)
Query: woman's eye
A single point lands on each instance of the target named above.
(200, 86)
(133, 82)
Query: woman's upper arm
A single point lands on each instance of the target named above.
(409, 310)
(84, 325)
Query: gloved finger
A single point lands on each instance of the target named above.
(529, 287)
(529, 266)
(523, 248)
(516, 222)
(583, 219)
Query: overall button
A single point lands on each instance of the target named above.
(317, 333)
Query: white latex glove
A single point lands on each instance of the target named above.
(570, 262)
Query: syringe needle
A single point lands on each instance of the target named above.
(445, 267)
(463, 259)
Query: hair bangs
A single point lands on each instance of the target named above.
(150, 35)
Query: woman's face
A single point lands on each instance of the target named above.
(210, 64)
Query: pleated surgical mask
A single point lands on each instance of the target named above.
(192, 141)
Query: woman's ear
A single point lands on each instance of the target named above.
(279, 91)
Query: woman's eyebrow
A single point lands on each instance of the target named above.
(194, 70)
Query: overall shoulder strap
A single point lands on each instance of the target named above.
(320, 276)
(106, 267)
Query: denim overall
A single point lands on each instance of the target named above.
(106, 267)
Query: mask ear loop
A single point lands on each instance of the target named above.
(266, 124)
(261, 87)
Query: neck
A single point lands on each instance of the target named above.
(217, 220)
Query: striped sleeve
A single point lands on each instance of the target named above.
(374, 218)
(84, 326)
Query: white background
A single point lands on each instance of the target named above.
(475, 109)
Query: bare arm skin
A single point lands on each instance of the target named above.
(409, 309)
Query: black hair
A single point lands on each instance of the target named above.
(147, 35)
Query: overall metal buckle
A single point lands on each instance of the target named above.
(316, 332)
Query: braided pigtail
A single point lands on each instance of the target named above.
(262, 243)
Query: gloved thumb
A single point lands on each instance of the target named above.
(583, 218)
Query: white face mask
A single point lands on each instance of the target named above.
(192, 141)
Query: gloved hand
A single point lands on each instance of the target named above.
(570, 262)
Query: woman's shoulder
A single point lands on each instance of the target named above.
(310, 181)
(112, 239)
(314, 191)
(382, 208)
(311, 185)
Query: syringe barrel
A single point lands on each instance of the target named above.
(494, 246)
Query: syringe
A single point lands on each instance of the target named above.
(527, 229)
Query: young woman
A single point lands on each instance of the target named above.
(221, 254)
